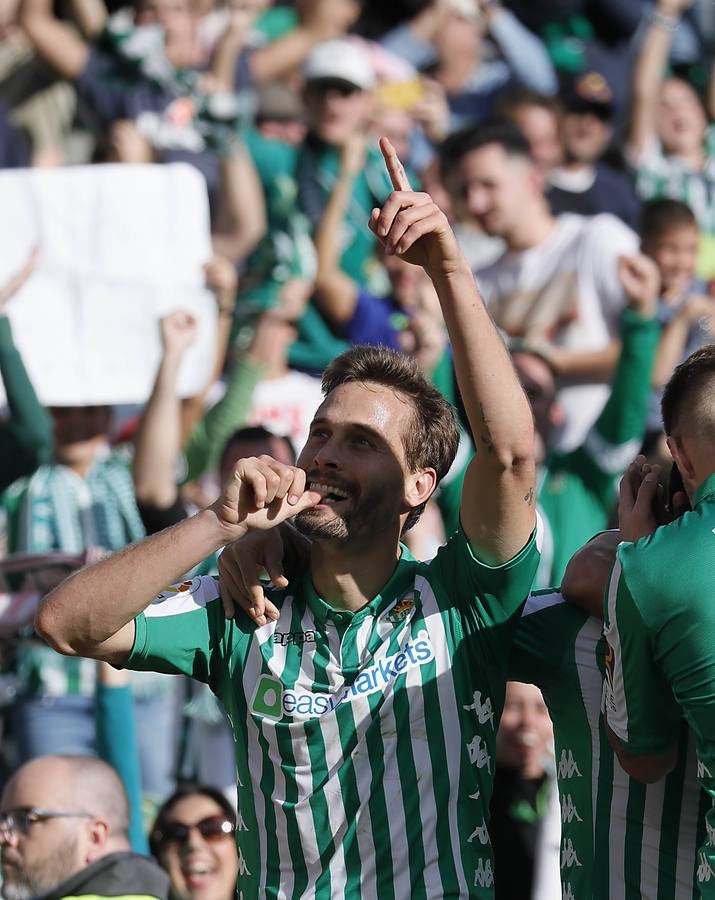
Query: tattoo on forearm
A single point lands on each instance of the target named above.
(485, 434)
(529, 497)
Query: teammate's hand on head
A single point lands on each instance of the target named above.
(260, 494)
(281, 553)
(411, 225)
(640, 495)
(240, 567)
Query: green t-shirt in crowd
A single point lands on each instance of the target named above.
(620, 840)
(660, 627)
(365, 742)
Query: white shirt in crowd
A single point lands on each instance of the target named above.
(286, 405)
(566, 290)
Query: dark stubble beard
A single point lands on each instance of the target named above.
(22, 884)
(373, 513)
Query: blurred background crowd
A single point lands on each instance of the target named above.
(571, 143)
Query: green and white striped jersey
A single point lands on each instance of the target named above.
(660, 627)
(620, 840)
(364, 742)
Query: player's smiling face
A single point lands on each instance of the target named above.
(355, 458)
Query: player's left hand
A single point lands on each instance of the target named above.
(411, 225)
(640, 494)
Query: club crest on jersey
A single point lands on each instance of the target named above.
(183, 587)
(401, 609)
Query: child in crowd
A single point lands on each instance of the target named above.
(669, 236)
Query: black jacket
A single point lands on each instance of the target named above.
(122, 874)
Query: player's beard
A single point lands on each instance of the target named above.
(21, 883)
(373, 513)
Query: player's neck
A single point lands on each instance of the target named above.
(349, 577)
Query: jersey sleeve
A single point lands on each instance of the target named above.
(493, 593)
(181, 632)
(545, 633)
(638, 702)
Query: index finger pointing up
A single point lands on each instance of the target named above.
(395, 169)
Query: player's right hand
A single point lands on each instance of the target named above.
(260, 494)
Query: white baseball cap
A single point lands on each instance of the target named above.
(340, 60)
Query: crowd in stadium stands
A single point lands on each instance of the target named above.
(571, 146)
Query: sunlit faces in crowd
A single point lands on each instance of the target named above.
(586, 134)
(680, 118)
(193, 840)
(539, 124)
(497, 186)
(336, 109)
(525, 733)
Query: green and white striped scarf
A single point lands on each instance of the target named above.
(55, 509)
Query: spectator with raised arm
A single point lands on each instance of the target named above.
(556, 287)
(404, 320)
(26, 435)
(450, 40)
(671, 146)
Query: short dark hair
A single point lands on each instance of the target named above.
(659, 216)
(186, 790)
(685, 388)
(513, 98)
(499, 130)
(433, 441)
(254, 433)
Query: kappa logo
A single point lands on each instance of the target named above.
(703, 770)
(705, 872)
(568, 810)
(568, 855)
(481, 832)
(484, 874)
(271, 700)
(711, 834)
(484, 711)
(567, 765)
(242, 867)
(479, 754)
(567, 892)
(283, 638)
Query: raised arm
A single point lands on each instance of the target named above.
(159, 438)
(54, 41)
(241, 213)
(26, 437)
(649, 69)
(498, 500)
(337, 292)
(92, 612)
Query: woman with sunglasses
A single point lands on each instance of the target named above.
(193, 840)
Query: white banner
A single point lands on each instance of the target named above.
(119, 247)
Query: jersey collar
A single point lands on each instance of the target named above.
(705, 489)
(399, 581)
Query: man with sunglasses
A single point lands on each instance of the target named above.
(64, 833)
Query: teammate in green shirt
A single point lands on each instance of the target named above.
(365, 716)
(659, 619)
(619, 838)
